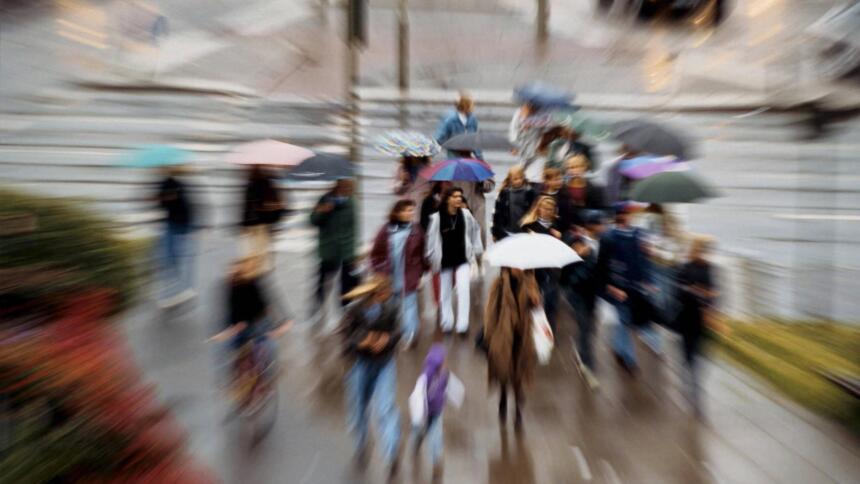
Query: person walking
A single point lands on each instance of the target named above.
(553, 186)
(398, 252)
(175, 251)
(406, 180)
(583, 193)
(261, 210)
(579, 283)
(697, 293)
(541, 219)
(625, 278)
(453, 243)
(458, 121)
(434, 383)
(371, 333)
(514, 201)
(334, 215)
(511, 356)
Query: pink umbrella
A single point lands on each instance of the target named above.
(269, 152)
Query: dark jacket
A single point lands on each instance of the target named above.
(174, 199)
(355, 327)
(336, 230)
(622, 261)
(566, 212)
(503, 211)
(262, 203)
(415, 264)
(581, 278)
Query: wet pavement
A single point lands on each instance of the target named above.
(630, 430)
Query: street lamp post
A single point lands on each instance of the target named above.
(402, 44)
(542, 19)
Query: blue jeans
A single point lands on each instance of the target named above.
(585, 322)
(622, 342)
(411, 321)
(374, 381)
(174, 258)
(434, 435)
(265, 350)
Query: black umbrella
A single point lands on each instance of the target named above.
(681, 186)
(479, 141)
(322, 167)
(649, 137)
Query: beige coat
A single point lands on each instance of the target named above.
(508, 328)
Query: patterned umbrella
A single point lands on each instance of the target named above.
(460, 169)
(407, 143)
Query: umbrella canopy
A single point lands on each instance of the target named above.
(407, 143)
(322, 167)
(672, 187)
(649, 137)
(269, 152)
(460, 169)
(154, 156)
(530, 251)
(479, 141)
(652, 167)
(542, 95)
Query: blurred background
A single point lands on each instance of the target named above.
(769, 89)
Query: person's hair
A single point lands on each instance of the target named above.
(550, 173)
(463, 99)
(418, 160)
(533, 213)
(443, 204)
(516, 169)
(548, 137)
(700, 245)
(398, 207)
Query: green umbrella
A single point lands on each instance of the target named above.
(672, 187)
(154, 156)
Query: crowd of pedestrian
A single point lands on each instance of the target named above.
(633, 256)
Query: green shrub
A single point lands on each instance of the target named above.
(51, 247)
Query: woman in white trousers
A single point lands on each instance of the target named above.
(453, 244)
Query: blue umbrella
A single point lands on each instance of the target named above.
(542, 95)
(154, 156)
(460, 169)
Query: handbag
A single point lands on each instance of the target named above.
(542, 336)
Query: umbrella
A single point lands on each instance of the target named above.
(322, 167)
(542, 95)
(530, 251)
(407, 143)
(649, 137)
(657, 165)
(672, 187)
(460, 169)
(154, 156)
(269, 152)
(479, 141)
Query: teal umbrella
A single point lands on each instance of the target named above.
(154, 156)
(672, 187)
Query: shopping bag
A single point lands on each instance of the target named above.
(542, 336)
(456, 391)
(418, 402)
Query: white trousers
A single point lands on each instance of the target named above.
(462, 276)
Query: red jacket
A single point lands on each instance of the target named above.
(415, 264)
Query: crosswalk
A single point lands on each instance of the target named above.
(789, 206)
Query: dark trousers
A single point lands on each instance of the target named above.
(347, 280)
(547, 280)
(583, 312)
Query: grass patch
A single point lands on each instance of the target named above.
(791, 356)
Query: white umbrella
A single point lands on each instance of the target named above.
(530, 251)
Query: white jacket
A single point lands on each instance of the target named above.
(433, 248)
